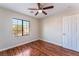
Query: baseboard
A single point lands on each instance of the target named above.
(59, 45)
(18, 45)
(30, 42)
(52, 42)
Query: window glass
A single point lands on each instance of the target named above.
(20, 27)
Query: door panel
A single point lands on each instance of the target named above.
(73, 32)
(70, 28)
(77, 17)
(66, 31)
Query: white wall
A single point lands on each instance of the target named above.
(52, 30)
(52, 27)
(7, 40)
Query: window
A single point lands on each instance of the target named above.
(20, 27)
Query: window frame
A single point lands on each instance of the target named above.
(22, 27)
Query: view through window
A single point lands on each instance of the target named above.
(21, 27)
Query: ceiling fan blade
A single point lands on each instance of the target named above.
(38, 5)
(49, 7)
(32, 9)
(36, 13)
(44, 12)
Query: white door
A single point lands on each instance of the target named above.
(66, 32)
(69, 32)
(77, 32)
(74, 32)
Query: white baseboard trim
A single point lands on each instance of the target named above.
(32, 41)
(59, 45)
(17, 45)
(52, 42)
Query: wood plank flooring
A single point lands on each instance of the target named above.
(39, 48)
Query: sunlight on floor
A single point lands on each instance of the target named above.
(27, 52)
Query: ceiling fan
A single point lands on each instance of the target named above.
(41, 9)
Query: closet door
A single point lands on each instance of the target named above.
(69, 32)
(77, 32)
(73, 32)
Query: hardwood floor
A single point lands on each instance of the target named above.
(39, 48)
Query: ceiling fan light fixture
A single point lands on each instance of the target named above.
(40, 11)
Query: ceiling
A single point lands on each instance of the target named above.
(23, 8)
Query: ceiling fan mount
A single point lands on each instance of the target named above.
(41, 9)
